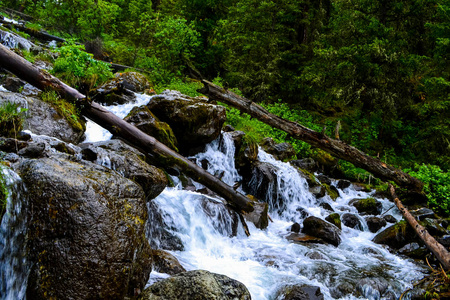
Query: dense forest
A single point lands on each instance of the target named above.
(379, 69)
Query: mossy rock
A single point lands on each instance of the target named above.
(367, 206)
(147, 122)
(325, 160)
(334, 219)
(396, 236)
(331, 191)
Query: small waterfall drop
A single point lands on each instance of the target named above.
(13, 267)
(266, 261)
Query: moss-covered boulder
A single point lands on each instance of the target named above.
(396, 236)
(85, 231)
(322, 229)
(367, 206)
(194, 121)
(334, 219)
(133, 81)
(197, 284)
(147, 122)
(332, 191)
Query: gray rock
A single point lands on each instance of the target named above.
(199, 285)
(322, 229)
(367, 206)
(86, 231)
(307, 164)
(164, 262)
(375, 223)
(396, 236)
(300, 292)
(352, 221)
(282, 151)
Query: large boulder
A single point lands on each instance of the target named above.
(42, 118)
(147, 122)
(281, 151)
(129, 162)
(85, 231)
(133, 81)
(194, 121)
(352, 221)
(263, 183)
(197, 284)
(322, 229)
(396, 236)
(367, 206)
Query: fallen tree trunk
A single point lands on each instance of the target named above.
(160, 153)
(436, 248)
(336, 148)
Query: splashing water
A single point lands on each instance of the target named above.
(14, 267)
(96, 133)
(266, 261)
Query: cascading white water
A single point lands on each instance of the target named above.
(13, 267)
(266, 261)
(96, 133)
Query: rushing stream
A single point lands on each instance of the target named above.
(265, 261)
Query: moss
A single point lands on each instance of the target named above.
(11, 119)
(333, 193)
(334, 219)
(65, 109)
(3, 194)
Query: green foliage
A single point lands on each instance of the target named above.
(3, 193)
(66, 109)
(78, 68)
(11, 119)
(186, 87)
(437, 186)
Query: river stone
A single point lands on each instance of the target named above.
(115, 92)
(390, 219)
(164, 262)
(307, 164)
(133, 81)
(282, 151)
(434, 227)
(423, 213)
(375, 223)
(352, 221)
(367, 206)
(322, 229)
(129, 162)
(343, 184)
(85, 231)
(372, 288)
(263, 183)
(300, 292)
(259, 216)
(334, 219)
(199, 285)
(396, 236)
(147, 122)
(194, 121)
(160, 234)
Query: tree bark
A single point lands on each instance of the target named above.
(158, 151)
(438, 250)
(336, 148)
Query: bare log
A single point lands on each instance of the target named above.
(436, 248)
(160, 153)
(336, 148)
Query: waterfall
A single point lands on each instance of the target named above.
(13, 267)
(266, 261)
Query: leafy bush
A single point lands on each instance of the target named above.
(437, 186)
(11, 119)
(80, 69)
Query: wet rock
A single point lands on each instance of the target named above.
(300, 292)
(315, 255)
(43, 119)
(114, 92)
(228, 128)
(352, 221)
(295, 227)
(375, 223)
(423, 213)
(86, 231)
(246, 156)
(334, 219)
(368, 206)
(412, 199)
(282, 151)
(160, 234)
(390, 219)
(302, 238)
(372, 288)
(326, 206)
(324, 179)
(396, 236)
(263, 182)
(413, 250)
(194, 122)
(307, 164)
(197, 284)
(343, 184)
(332, 191)
(133, 81)
(259, 216)
(318, 191)
(11, 145)
(322, 229)
(434, 227)
(237, 137)
(226, 220)
(164, 262)
(302, 213)
(445, 241)
(23, 136)
(33, 150)
(13, 84)
(310, 178)
(129, 162)
(147, 122)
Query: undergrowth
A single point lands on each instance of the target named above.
(11, 119)
(66, 109)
